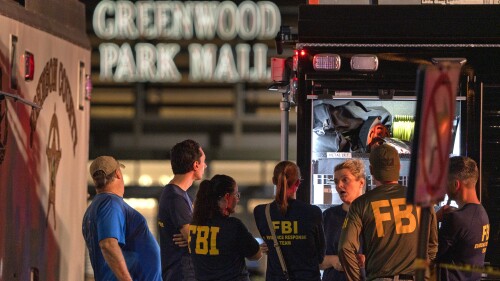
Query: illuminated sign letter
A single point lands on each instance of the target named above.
(249, 20)
(146, 58)
(108, 53)
(243, 60)
(260, 63)
(202, 59)
(125, 16)
(270, 20)
(205, 18)
(167, 71)
(169, 22)
(145, 19)
(125, 67)
(104, 28)
(226, 68)
(184, 15)
(227, 22)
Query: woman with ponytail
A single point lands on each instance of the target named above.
(298, 228)
(217, 242)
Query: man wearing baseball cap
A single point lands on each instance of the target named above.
(388, 225)
(120, 245)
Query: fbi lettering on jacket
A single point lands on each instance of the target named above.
(286, 232)
(206, 239)
(404, 215)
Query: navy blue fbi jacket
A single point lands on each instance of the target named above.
(301, 238)
(463, 239)
(219, 248)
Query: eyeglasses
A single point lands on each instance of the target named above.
(237, 195)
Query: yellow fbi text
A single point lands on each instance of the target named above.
(206, 239)
(484, 239)
(286, 232)
(396, 210)
(286, 227)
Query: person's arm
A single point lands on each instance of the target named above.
(181, 215)
(331, 261)
(113, 255)
(185, 231)
(349, 244)
(444, 210)
(446, 237)
(179, 240)
(432, 247)
(263, 248)
(331, 225)
(257, 255)
(320, 238)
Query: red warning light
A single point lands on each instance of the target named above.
(302, 53)
(29, 66)
(295, 62)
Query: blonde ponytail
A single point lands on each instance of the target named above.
(285, 175)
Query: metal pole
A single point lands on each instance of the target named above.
(423, 239)
(285, 110)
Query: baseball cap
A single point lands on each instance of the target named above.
(384, 160)
(107, 164)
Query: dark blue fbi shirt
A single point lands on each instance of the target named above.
(174, 211)
(301, 238)
(218, 249)
(463, 239)
(333, 218)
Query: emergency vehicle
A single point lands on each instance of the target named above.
(44, 135)
(354, 76)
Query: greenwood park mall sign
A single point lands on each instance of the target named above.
(143, 38)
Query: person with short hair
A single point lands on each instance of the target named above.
(464, 232)
(386, 223)
(218, 242)
(349, 177)
(175, 210)
(298, 227)
(120, 245)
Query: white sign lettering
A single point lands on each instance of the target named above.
(181, 20)
(206, 63)
(176, 20)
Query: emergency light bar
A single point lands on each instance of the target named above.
(461, 61)
(364, 62)
(329, 62)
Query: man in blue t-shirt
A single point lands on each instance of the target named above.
(176, 211)
(120, 245)
(464, 233)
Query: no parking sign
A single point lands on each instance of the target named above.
(436, 98)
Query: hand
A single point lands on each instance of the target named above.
(263, 248)
(444, 210)
(179, 240)
(361, 260)
(338, 266)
